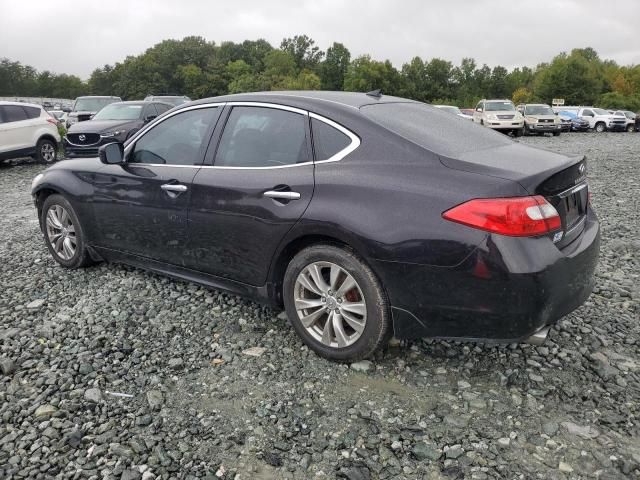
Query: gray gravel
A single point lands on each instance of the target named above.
(112, 372)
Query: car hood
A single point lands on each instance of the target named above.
(501, 112)
(526, 165)
(102, 126)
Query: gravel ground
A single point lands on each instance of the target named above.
(112, 372)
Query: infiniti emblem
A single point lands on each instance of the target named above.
(83, 138)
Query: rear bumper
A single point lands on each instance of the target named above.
(506, 290)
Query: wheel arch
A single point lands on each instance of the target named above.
(292, 246)
(47, 136)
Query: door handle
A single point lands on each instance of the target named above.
(173, 187)
(281, 195)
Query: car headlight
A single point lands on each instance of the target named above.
(115, 133)
(72, 120)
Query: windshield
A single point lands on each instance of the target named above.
(439, 132)
(600, 111)
(538, 110)
(119, 111)
(92, 104)
(450, 109)
(499, 106)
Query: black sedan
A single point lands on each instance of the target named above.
(365, 216)
(115, 122)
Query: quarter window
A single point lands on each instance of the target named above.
(327, 140)
(262, 137)
(176, 141)
(32, 112)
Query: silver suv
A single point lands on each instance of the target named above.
(500, 115)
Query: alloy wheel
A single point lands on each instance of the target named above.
(330, 304)
(47, 152)
(61, 232)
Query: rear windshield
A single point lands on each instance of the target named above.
(433, 129)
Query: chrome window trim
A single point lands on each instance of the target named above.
(144, 130)
(355, 140)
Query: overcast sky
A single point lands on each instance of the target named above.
(76, 36)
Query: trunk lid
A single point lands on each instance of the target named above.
(561, 179)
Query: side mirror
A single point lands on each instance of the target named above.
(112, 153)
(148, 118)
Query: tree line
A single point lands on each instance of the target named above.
(198, 68)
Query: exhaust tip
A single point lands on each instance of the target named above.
(539, 337)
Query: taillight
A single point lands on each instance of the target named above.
(52, 120)
(516, 216)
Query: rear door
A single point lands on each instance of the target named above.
(258, 185)
(15, 133)
(140, 207)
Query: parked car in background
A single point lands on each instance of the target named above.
(601, 120)
(27, 130)
(631, 119)
(116, 122)
(365, 216)
(576, 123)
(565, 124)
(85, 107)
(539, 118)
(500, 115)
(454, 110)
(174, 100)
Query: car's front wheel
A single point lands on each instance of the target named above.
(336, 303)
(600, 127)
(631, 128)
(63, 233)
(46, 151)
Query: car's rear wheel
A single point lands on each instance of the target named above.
(336, 303)
(600, 127)
(46, 151)
(63, 233)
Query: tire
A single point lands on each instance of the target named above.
(556, 134)
(519, 132)
(525, 131)
(631, 128)
(600, 127)
(58, 218)
(372, 319)
(46, 151)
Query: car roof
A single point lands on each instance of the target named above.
(308, 99)
(21, 104)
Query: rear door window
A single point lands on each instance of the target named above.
(262, 137)
(327, 140)
(14, 113)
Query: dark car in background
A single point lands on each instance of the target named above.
(364, 215)
(577, 124)
(85, 107)
(116, 122)
(174, 100)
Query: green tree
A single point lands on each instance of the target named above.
(303, 51)
(365, 74)
(334, 67)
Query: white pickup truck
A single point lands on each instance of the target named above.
(601, 120)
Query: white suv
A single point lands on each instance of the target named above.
(27, 130)
(500, 115)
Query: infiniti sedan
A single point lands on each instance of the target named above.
(365, 216)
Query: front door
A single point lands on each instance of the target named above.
(259, 186)
(141, 207)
